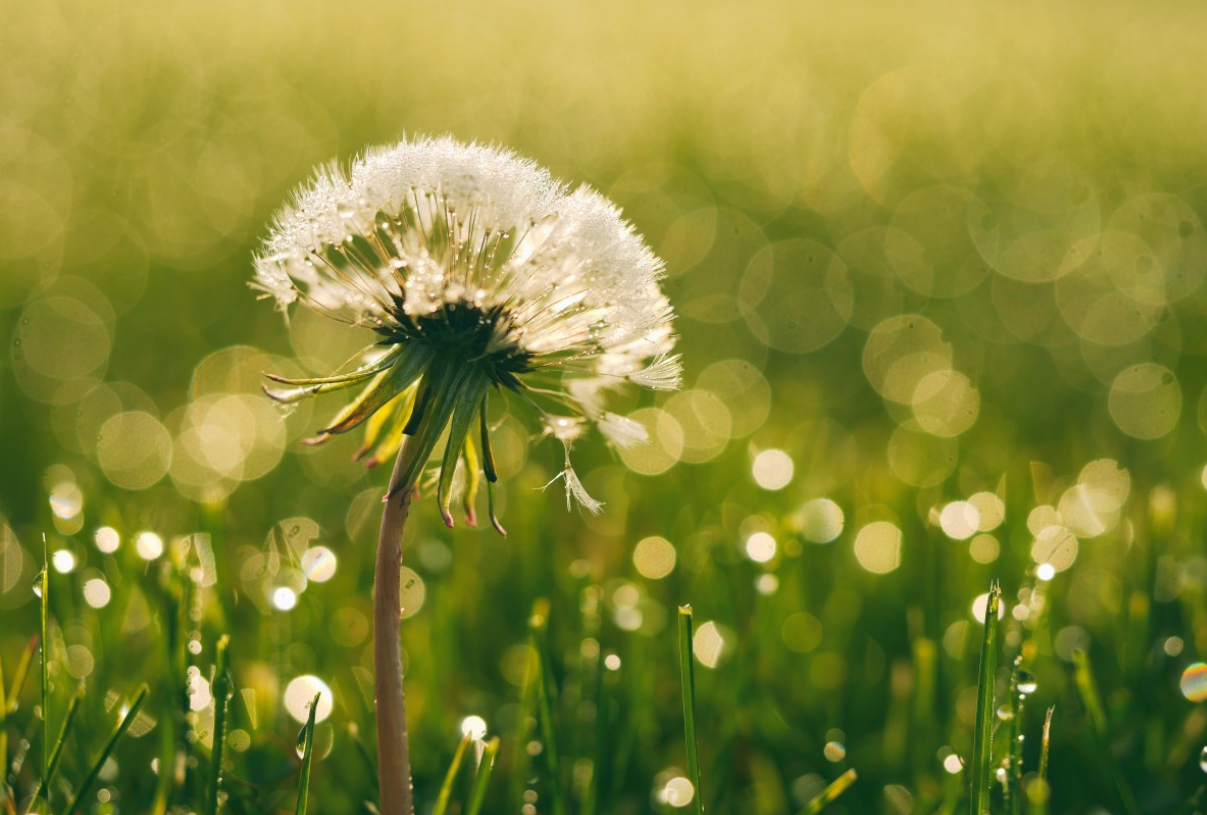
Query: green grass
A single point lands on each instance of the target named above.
(1024, 179)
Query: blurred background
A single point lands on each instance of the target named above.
(939, 275)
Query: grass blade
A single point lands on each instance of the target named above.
(222, 691)
(982, 748)
(687, 678)
(1038, 791)
(19, 677)
(827, 796)
(545, 700)
(1194, 803)
(1083, 677)
(446, 789)
(307, 757)
(44, 595)
(122, 726)
(57, 753)
(485, 766)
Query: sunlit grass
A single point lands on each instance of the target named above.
(940, 274)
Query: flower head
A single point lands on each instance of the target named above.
(480, 273)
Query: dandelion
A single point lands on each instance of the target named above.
(481, 275)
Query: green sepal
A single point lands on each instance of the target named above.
(463, 416)
(384, 387)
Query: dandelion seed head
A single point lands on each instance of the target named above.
(480, 272)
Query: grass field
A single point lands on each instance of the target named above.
(939, 276)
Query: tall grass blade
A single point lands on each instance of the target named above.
(1014, 789)
(982, 747)
(827, 796)
(57, 753)
(86, 785)
(450, 777)
(485, 766)
(222, 691)
(687, 677)
(44, 595)
(21, 674)
(1194, 803)
(8, 703)
(307, 757)
(545, 700)
(1039, 792)
(1083, 677)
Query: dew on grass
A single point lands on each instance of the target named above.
(107, 540)
(318, 564)
(1027, 684)
(820, 520)
(97, 592)
(300, 692)
(959, 520)
(284, 598)
(63, 561)
(239, 740)
(760, 547)
(474, 727)
(773, 469)
(1203, 760)
(834, 751)
(878, 547)
(66, 500)
(654, 557)
(708, 644)
(1194, 682)
(148, 545)
(678, 792)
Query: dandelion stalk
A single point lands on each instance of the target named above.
(982, 748)
(393, 749)
(687, 678)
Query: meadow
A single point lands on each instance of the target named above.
(938, 270)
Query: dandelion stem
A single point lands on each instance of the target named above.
(393, 754)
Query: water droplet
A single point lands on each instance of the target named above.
(1026, 683)
(194, 647)
(1203, 760)
(1005, 714)
(38, 583)
(301, 745)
